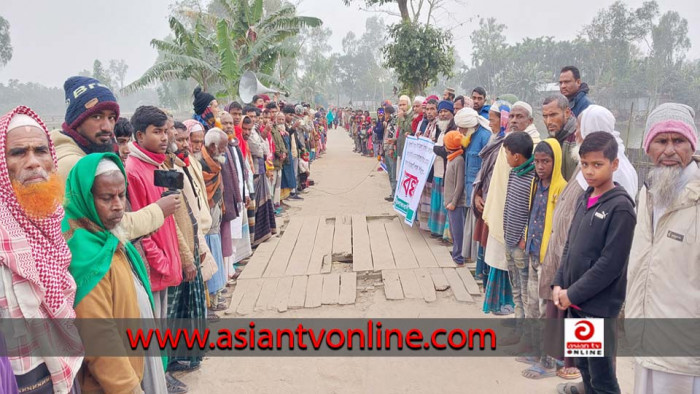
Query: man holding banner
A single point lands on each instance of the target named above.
(416, 161)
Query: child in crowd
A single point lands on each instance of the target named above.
(544, 193)
(123, 131)
(592, 277)
(304, 170)
(455, 198)
(518, 148)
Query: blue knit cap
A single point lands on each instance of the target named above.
(85, 96)
(446, 104)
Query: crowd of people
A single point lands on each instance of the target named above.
(550, 223)
(151, 217)
(159, 215)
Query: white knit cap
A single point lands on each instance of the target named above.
(523, 104)
(20, 120)
(419, 99)
(105, 166)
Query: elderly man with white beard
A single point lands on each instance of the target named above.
(662, 278)
(213, 159)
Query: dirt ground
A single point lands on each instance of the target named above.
(346, 184)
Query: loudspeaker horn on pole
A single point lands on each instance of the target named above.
(249, 86)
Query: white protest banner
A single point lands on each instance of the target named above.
(416, 161)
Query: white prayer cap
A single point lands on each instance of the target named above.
(20, 120)
(105, 166)
(524, 105)
(419, 99)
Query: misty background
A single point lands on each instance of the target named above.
(632, 54)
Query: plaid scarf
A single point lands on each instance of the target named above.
(39, 253)
(429, 129)
(37, 258)
(206, 118)
(211, 169)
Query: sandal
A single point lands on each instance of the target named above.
(213, 318)
(569, 388)
(567, 374)
(527, 360)
(536, 372)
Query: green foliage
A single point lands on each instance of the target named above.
(623, 54)
(5, 42)
(100, 74)
(358, 70)
(216, 46)
(190, 54)
(418, 54)
(117, 70)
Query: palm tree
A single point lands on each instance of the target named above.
(190, 54)
(234, 37)
(259, 38)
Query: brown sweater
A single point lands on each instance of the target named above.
(454, 183)
(114, 297)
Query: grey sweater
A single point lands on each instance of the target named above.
(455, 192)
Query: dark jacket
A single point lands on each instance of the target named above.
(594, 262)
(580, 101)
(379, 130)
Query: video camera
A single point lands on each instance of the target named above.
(170, 179)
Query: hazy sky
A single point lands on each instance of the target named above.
(53, 40)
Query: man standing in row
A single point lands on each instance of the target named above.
(34, 257)
(405, 118)
(662, 280)
(161, 247)
(390, 138)
(562, 126)
(479, 99)
(89, 128)
(576, 92)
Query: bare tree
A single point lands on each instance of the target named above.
(118, 70)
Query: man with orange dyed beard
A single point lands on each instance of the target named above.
(34, 257)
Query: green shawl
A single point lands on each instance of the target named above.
(526, 167)
(91, 245)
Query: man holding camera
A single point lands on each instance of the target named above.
(146, 156)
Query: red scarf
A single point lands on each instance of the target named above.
(416, 121)
(243, 144)
(157, 157)
(185, 159)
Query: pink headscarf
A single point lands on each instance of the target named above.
(193, 125)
